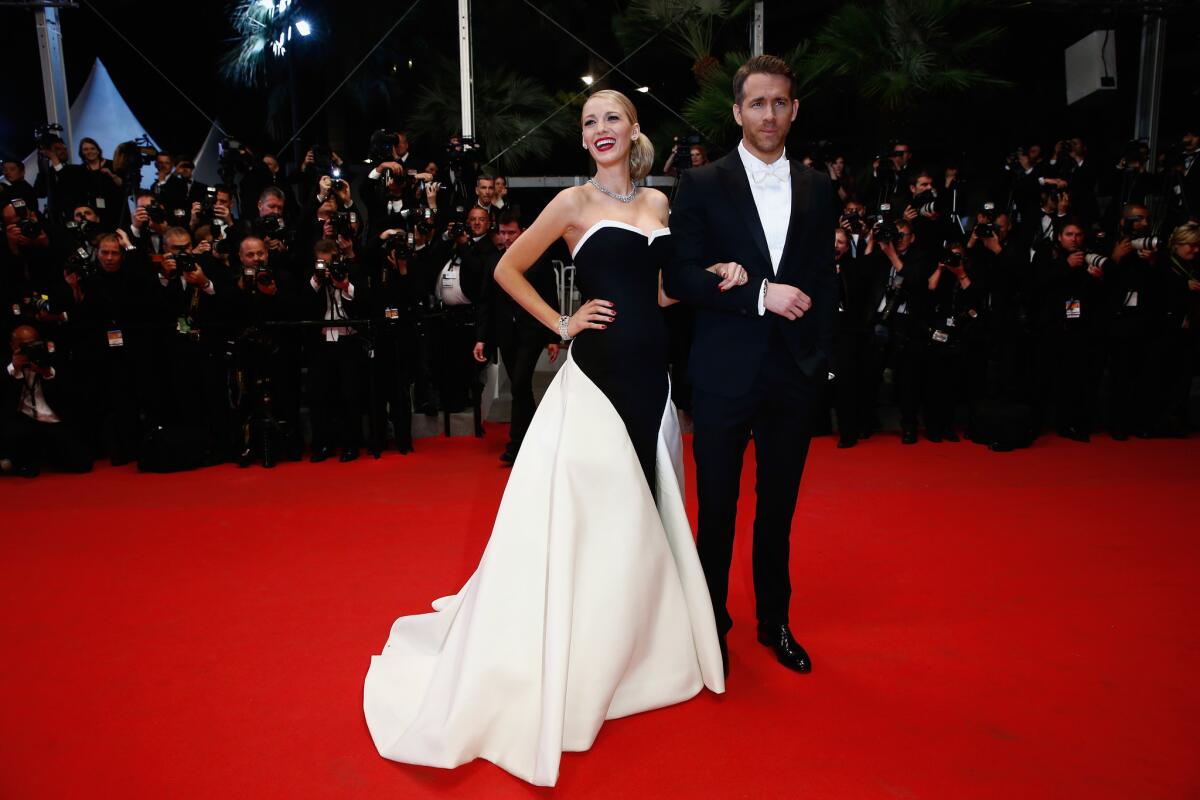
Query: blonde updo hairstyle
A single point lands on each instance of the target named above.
(641, 151)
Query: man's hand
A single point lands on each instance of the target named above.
(221, 211)
(196, 277)
(552, 351)
(1121, 249)
(324, 187)
(342, 285)
(1076, 259)
(205, 246)
(911, 213)
(732, 274)
(399, 264)
(1193, 285)
(343, 192)
(19, 361)
(309, 160)
(141, 219)
(195, 211)
(124, 237)
(268, 289)
(392, 165)
(276, 245)
(167, 266)
(479, 354)
(992, 243)
(345, 246)
(787, 301)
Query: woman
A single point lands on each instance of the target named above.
(589, 602)
(103, 185)
(1173, 358)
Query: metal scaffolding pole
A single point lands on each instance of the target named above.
(54, 74)
(466, 68)
(756, 31)
(1150, 77)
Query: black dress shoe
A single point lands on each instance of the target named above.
(933, 436)
(950, 436)
(349, 454)
(908, 436)
(508, 456)
(1118, 435)
(724, 655)
(845, 442)
(787, 650)
(404, 447)
(319, 454)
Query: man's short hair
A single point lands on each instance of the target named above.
(484, 178)
(19, 163)
(144, 193)
(272, 191)
(510, 216)
(185, 162)
(762, 65)
(177, 232)
(923, 173)
(325, 246)
(109, 237)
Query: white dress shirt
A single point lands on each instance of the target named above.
(449, 285)
(33, 399)
(771, 187)
(333, 308)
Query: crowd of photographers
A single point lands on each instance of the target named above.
(157, 323)
(181, 324)
(998, 304)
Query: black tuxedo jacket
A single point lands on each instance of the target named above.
(502, 322)
(715, 220)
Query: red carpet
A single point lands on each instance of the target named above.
(982, 626)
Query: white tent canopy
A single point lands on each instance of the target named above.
(101, 113)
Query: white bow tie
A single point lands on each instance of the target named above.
(764, 174)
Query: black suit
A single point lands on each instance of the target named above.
(753, 375)
(519, 337)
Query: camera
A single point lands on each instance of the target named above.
(1095, 260)
(343, 223)
(683, 154)
(156, 212)
(855, 220)
(80, 262)
(883, 226)
(1144, 243)
(328, 272)
(82, 230)
(186, 263)
(400, 245)
(253, 278)
(925, 202)
(30, 228)
(30, 305)
(272, 226)
(987, 230)
(951, 258)
(46, 135)
(38, 352)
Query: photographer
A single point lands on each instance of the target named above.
(268, 363)
(928, 212)
(36, 424)
(955, 362)
(181, 191)
(1002, 264)
(104, 189)
(111, 347)
(1174, 344)
(850, 339)
(32, 276)
(1131, 286)
(198, 374)
(269, 223)
(895, 286)
(1042, 229)
(500, 193)
(1070, 164)
(890, 176)
(319, 162)
(853, 222)
(215, 210)
(148, 223)
(63, 184)
(506, 328)
(458, 288)
(164, 168)
(689, 153)
(337, 357)
(16, 185)
(1069, 282)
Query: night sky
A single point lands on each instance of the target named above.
(510, 33)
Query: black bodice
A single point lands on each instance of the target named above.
(628, 360)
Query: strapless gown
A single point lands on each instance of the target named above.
(589, 602)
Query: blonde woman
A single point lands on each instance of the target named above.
(589, 602)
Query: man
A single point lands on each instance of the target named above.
(35, 422)
(459, 288)
(761, 350)
(17, 186)
(64, 185)
(181, 191)
(505, 327)
(500, 192)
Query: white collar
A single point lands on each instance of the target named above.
(749, 159)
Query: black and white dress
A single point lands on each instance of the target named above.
(589, 602)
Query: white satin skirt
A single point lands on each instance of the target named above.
(589, 603)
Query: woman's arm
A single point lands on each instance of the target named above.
(552, 224)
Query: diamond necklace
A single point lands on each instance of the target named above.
(624, 198)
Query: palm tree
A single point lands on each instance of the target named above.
(693, 26)
(514, 114)
(898, 51)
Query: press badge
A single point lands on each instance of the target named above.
(182, 325)
(1073, 309)
(100, 204)
(950, 323)
(116, 339)
(941, 337)
(1131, 300)
(391, 313)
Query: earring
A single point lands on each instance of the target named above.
(635, 137)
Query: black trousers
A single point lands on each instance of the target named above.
(395, 359)
(336, 368)
(902, 346)
(35, 444)
(1078, 357)
(112, 411)
(520, 360)
(1131, 384)
(778, 412)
